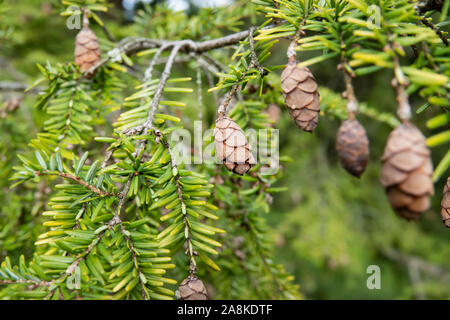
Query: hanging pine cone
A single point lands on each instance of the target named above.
(192, 288)
(301, 96)
(406, 172)
(232, 146)
(445, 204)
(352, 147)
(87, 51)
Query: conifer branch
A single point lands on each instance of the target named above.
(149, 70)
(223, 108)
(34, 283)
(429, 24)
(66, 129)
(199, 93)
(427, 5)
(189, 251)
(17, 86)
(207, 57)
(82, 256)
(122, 198)
(162, 82)
(291, 54)
(399, 82)
(426, 266)
(132, 250)
(108, 156)
(254, 57)
(352, 103)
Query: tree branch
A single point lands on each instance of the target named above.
(31, 282)
(189, 251)
(132, 250)
(223, 108)
(77, 180)
(427, 5)
(253, 55)
(131, 45)
(159, 90)
(429, 24)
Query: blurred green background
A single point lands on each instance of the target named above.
(328, 227)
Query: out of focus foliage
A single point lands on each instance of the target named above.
(324, 227)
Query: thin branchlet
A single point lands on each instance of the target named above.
(399, 82)
(149, 70)
(189, 252)
(352, 103)
(253, 55)
(162, 82)
(427, 22)
(291, 54)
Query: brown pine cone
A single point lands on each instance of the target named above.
(301, 96)
(406, 172)
(352, 146)
(87, 51)
(192, 288)
(445, 204)
(232, 146)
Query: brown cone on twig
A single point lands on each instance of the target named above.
(87, 50)
(445, 204)
(301, 96)
(232, 147)
(352, 146)
(406, 171)
(192, 288)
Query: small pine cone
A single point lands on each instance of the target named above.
(445, 204)
(232, 146)
(352, 146)
(87, 51)
(301, 96)
(406, 172)
(192, 288)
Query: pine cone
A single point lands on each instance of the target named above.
(352, 147)
(445, 204)
(406, 172)
(232, 146)
(192, 288)
(87, 51)
(301, 96)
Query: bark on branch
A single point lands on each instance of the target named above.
(16, 86)
(132, 45)
(425, 266)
